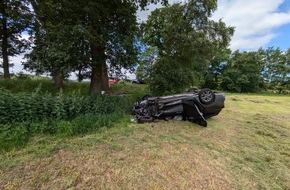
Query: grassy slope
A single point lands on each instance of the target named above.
(246, 147)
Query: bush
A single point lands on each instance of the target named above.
(37, 107)
(25, 114)
(29, 84)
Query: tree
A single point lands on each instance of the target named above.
(60, 40)
(58, 51)
(146, 61)
(108, 29)
(15, 18)
(242, 72)
(212, 76)
(275, 70)
(187, 41)
(287, 70)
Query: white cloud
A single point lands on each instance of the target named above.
(143, 15)
(17, 64)
(254, 21)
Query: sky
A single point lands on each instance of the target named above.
(258, 23)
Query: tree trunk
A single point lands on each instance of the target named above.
(97, 76)
(215, 78)
(5, 42)
(80, 75)
(96, 79)
(58, 81)
(105, 78)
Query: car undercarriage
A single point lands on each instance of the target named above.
(194, 105)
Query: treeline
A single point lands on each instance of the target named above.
(72, 36)
(96, 38)
(185, 51)
(255, 71)
(242, 72)
(179, 46)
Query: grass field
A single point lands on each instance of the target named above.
(246, 147)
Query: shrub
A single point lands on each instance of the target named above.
(37, 107)
(25, 114)
(29, 84)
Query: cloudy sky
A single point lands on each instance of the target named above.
(258, 23)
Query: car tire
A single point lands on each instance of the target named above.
(206, 96)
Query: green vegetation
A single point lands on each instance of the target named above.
(57, 134)
(68, 38)
(43, 85)
(240, 72)
(245, 147)
(255, 71)
(46, 111)
(36, 107)
(178, 47)
(174, 61)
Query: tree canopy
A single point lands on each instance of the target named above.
(80, 35)
(187, 40)
(178, 47)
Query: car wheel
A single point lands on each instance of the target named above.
(206, 96)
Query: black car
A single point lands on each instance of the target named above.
(193, 105)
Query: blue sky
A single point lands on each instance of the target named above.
(258, 23)
(283, 38)
(283, 33)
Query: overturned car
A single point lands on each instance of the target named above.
(193, 105)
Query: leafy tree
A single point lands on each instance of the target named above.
(15, 18)
(186, 40)
(107, 33)
(115, 31)
(275, 71)
(146, 61)
(60, 41)
(287, 77)
(214, 72)
(242, 72)
(167, 76)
